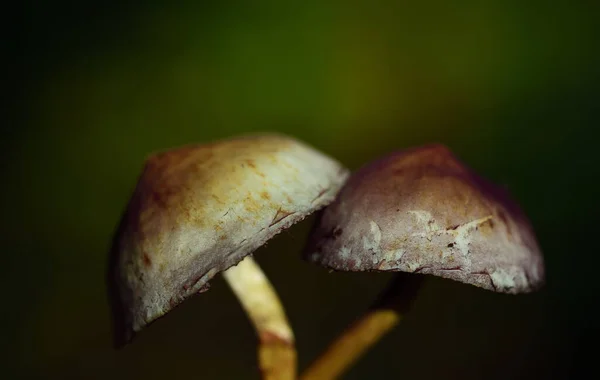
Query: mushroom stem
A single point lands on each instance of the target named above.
(381, 317)
(346, 349)
(276, 351)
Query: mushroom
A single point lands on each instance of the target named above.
(419, 211)
(201, 209)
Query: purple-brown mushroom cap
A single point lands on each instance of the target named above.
(200, 209)
(423, 211)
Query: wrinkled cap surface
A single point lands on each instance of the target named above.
(423, 211)
(198, 210)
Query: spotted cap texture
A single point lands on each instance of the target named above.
(423, 211)
(200, 209)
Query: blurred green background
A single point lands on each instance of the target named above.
(511, 86)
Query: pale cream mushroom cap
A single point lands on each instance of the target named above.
(200, 209)
(423, 211)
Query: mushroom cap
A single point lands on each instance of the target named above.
(200, 209)
(423, 211)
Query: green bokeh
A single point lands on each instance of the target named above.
(511, 87)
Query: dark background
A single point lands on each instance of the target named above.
(510, 86)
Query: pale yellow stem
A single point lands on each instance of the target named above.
(357, 340)
(276, 351)
(368, 330)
